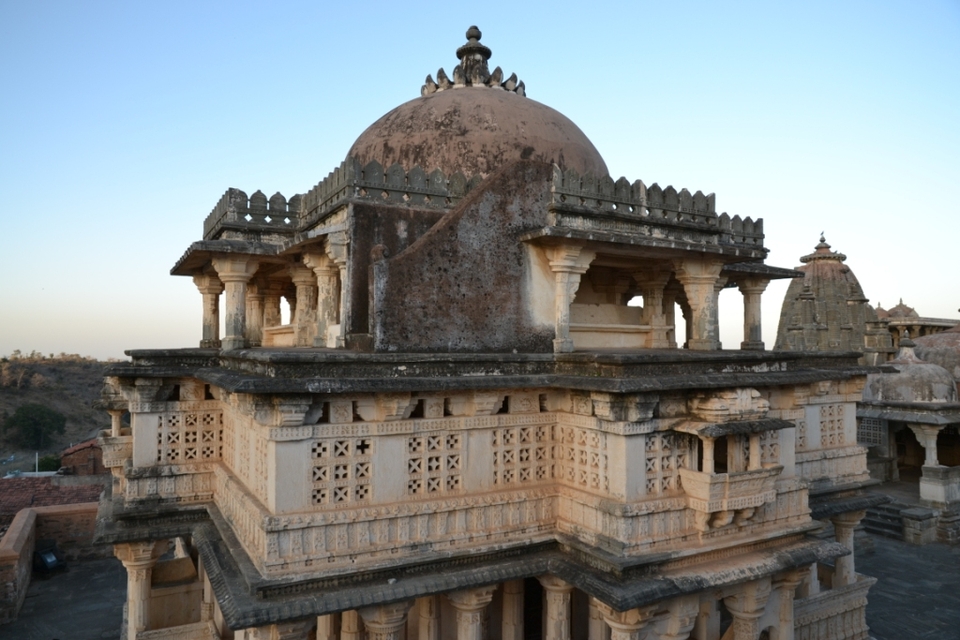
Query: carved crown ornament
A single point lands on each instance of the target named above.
(729, 405)
(473, 70)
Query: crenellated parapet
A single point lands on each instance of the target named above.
(255, 213)
(591, 196)
(393, 185)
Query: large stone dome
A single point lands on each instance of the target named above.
(913, 380)
(475, 124)
(943, 349)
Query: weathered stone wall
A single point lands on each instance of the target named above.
(457, 287)
(71, 526)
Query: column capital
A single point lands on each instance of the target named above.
(570, 258)
(321, 263)
(752, 285)
(748, 604)
(139, 554)
(382, 620)
(697, 270)
(336, 247)
(849, 519)
(302, 275)
(208, 283)
(555, 584)
(472, 599)
(235, 269)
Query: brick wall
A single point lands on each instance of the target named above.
(70, 525)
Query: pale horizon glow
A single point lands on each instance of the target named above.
(122, 124)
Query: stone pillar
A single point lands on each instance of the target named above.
(558, 594)
(328, 627)
(699, 277)
(597, 627)
(305, 320)
(512, 615)
(670, 316)
(328, 296)
(708, 461)
(210, 288)
(927, 437)
(718, 287)
(651, 285)
(568, 263)
(254, 332)
(843, 526)
(291, 298)
(682, 616)
(296, 630)
(471, 615)
(752, 289)
(338, 251)
(625, 625)
(351, 626)
(811, 582)
(746, 608)
(786, 586)
(754, 461)
(138, 559)
(272, 291)
(116, 426)
(386, 621)
(235, 273)
(429, 627)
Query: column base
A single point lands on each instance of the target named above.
(563, 346)
(702, 345)
(751, 345)
(233, 343)
(209, 344)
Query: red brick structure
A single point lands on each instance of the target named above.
(84, 459)
(21, 493)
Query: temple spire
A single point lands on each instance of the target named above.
(473, 70)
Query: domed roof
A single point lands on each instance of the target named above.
(902, 311)
(914, 380)
(475, 124)
(943, 349)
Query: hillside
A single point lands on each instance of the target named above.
(69, 384)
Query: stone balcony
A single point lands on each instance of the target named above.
(116, 449)
(722, 498)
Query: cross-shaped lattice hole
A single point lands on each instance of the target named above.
(208, 419)
(525, 434)
(363, 446)
(415, 445)
(207, 452)
(319, 449)
(524, 475)
(542, 473)
(362, 492)
(190, 420)
(509, 436)
(362, 470)
(319, 496)
(341, 472)
(453, 463)
(453, 483)
(415, 465)
(320, 474)
(434, 443)
(524, 455)
(414, 485)
(341, 448)
(433, 463)
(433, 485)
(341, 494)
(453, 441)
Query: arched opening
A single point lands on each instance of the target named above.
(948, 446)
(910, 455)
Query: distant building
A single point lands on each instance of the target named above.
(465, 431)
(83, 459)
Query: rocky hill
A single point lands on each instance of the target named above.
(68, 384)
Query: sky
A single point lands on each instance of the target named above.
(122, 124)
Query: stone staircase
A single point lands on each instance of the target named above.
(885, 520)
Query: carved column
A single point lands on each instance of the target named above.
(568, 263)
(328, 298)
(210, 288)
(338, 251)
(708, 456)
(682, 616)
(699, 278)
(254, 332)
(235, 273)
(843, 526)
(754, 462)
(272, 291)
(746, 608)
(429, 627)
(471, 615)
(651, 285)
(670, 315)
(296, 630)
(305, 320)
(752, 290)
(786, 586)
(138, 559)
(512, 616)
(558, 608)
(386, 621)
(597, 627)
(718, 287)
(351, 626)
(328, 627)
(927, 437)
(116, 426)
(625, 625)
(810, 586)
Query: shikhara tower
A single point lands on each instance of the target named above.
(465, 431)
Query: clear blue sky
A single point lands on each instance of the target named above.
(122, 123)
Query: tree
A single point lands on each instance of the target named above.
(32, 425)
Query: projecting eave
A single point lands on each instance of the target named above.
(761, 270)
(199, 254)
(915, 412)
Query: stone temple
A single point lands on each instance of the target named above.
(465, 431)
